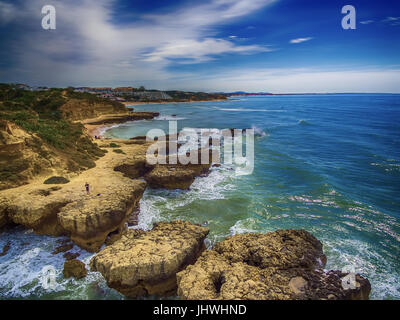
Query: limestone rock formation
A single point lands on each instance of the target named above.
(175, 176)
(285, 264)
(68, 210)
(120, 118)
(90, 221)
(145, 263)
(74, 268)
(78, 109)
(179, 176)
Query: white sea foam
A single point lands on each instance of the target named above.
(212, 187)
(365, 260)
(259, 132)
(21, 268)
(249, 225)
(168, 118)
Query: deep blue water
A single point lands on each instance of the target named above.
(329, 164)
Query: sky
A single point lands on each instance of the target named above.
(278, 46)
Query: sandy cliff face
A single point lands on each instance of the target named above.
(23, 156)
(77, 109)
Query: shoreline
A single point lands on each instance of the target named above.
(98, 129)
(133, 103)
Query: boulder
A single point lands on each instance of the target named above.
(145, 263)
(281, 265)
(74, 268)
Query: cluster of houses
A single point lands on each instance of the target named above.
(22, 86)
(121, 93)
(116, 94)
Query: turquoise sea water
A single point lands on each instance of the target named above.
(329, 164)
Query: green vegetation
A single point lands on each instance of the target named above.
(56, 180)
(91, 98)
(39, 113)
(118, 151)
(194, 96)
(114, 145)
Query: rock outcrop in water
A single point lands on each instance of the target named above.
(74, 268)
(285, 264)
(146, 263)
(175, 176)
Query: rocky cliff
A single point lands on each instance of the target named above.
(281, 265)
(146, 263)
(117, 183)
(79, 109)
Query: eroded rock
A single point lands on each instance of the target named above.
(71, 256)
(90, 220)
(87, 218)
(74, 268)
(285, 264)
(63, 248)
(175, 176)
(145, 263)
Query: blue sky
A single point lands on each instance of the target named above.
(210, 45)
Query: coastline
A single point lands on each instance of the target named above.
(133, 103)
(97, 129)
(126, 162)
(96, 126)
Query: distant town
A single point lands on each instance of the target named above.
(129, 94)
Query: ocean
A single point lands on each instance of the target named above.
(329, 164)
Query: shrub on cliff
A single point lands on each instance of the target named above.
(118, 151)
(56, 180)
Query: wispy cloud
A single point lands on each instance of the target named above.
(367, 21)
(200, 50)
(394, 21)
(87, 45)
(300, 40)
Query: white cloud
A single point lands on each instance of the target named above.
(367, 21)
(88, 47)
(300, 40)
(394, 21)
(200, 50)
(390, 19)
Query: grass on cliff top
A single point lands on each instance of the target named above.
(38, 112)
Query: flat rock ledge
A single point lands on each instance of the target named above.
(281, 265)
(146, 263)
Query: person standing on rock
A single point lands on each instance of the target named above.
(87, 187)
